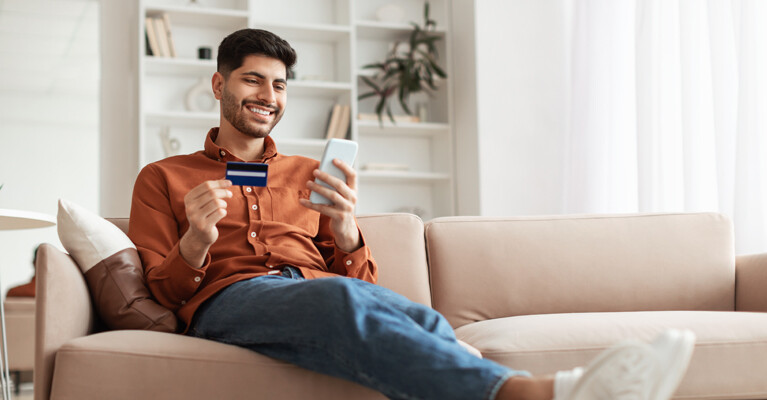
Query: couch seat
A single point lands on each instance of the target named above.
(154, 365)
(730, 352)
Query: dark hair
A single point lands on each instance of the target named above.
(246, 42)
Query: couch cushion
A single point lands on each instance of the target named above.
(484, 268)
(728, 361)
(397, 244)
(153, 365)
(113, 271)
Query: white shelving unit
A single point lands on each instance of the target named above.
(334, 39)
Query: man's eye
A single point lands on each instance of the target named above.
(279, 87)
(251, 81)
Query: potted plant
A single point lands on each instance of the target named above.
(409, 67)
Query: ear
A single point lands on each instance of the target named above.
(217, 83)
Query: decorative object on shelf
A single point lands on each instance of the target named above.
(200, 97)
(390, 13)
(204, 53)
(170, 146)
(422, 111)
(408, 68)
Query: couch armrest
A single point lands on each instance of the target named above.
(750, 282)
(63, 312)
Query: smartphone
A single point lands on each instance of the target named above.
(344, 150)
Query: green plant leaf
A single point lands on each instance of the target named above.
(370, 83)
(374, 66)
(391, 117)
(366, 95)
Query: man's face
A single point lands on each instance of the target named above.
(253, 98)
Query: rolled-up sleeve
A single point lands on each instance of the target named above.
(154, 230)
(357, 264)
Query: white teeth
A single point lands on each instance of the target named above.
(259, 111)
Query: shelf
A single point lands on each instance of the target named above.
(219, 18)
(387, 31)
(402, 176)
(308, 32)
(194, 67)
(421, 129)
(318, 88)
(179, 66)
(183, 119)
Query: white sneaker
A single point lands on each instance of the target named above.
(674, 349)
(630, 370)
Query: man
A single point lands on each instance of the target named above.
(240, 265)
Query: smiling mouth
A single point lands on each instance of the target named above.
(260, 111)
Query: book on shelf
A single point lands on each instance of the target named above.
(335, 116)
(162, 36)
(151, 38)
(343, 122)
(171, 44)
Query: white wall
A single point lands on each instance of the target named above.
(49, 77)
(520, 89)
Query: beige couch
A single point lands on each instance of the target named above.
(537, 293)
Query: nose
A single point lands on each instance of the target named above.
(266, 94)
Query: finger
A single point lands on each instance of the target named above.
(337, 184)
(208, 186)
(209, 195)
(351, 173)
(213, 218)
(339, 201)
(198, 215)
(210, 207)
(324, 209)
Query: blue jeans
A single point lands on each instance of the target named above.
(349, 329)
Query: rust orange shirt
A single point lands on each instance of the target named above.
(265, 228)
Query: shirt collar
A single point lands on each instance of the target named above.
(218, 153)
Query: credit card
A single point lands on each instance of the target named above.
(246, 174)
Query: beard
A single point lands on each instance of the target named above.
(234, 111)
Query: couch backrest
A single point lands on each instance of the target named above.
(484, 268)
(397, 244)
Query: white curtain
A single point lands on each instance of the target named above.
(668, 109)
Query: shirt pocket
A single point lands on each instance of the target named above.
(287, 209)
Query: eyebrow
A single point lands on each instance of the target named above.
(256, 74)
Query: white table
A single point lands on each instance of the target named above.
(13, 220)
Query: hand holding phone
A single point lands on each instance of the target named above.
(344, 150)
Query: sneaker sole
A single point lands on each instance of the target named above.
(685, 344)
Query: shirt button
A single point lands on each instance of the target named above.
(252, 234)
(197, 279)
(183, 302)
(247, 189)
(348, 262)
(254, 207)
(223, 153)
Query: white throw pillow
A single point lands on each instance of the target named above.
(87, 237)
